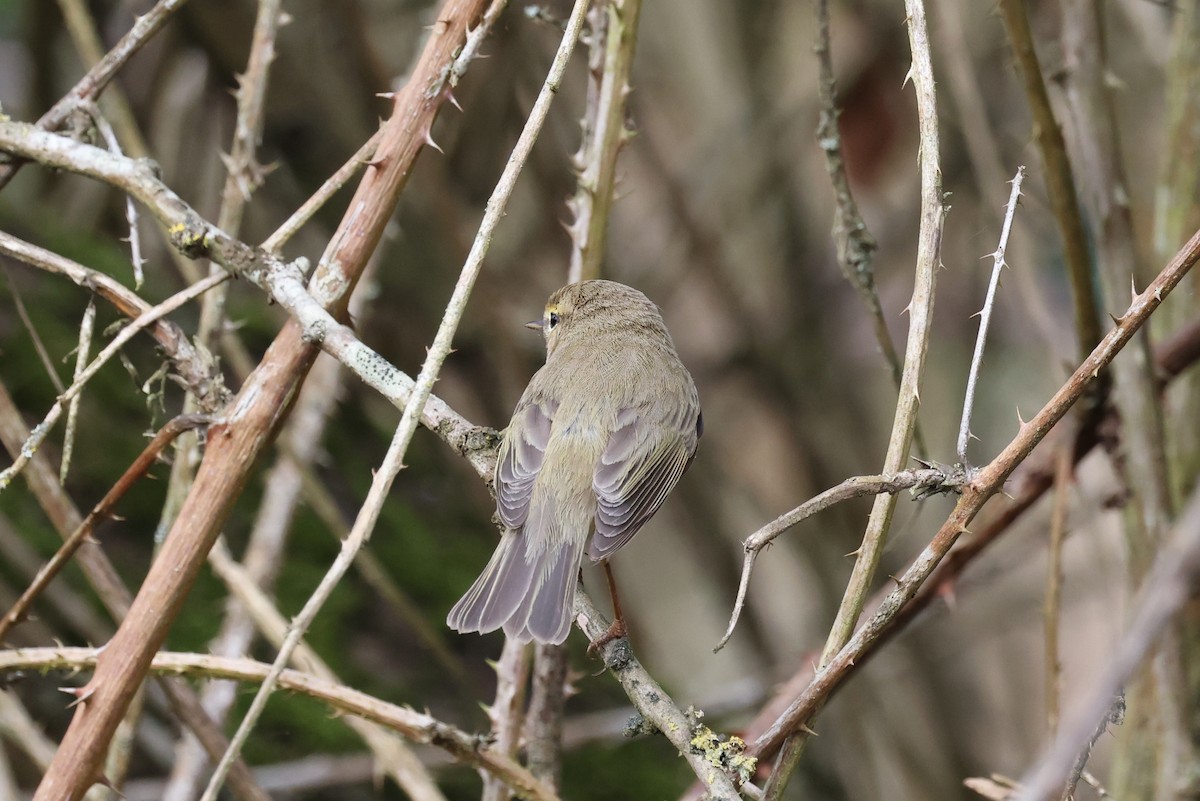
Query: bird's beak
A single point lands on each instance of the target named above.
(534, 325)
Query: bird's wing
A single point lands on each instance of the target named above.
(521, 454)
(642, 461)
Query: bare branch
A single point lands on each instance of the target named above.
(415, 726)
(985, 317)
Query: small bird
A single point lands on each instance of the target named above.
(602, 433)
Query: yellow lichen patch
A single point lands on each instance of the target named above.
(726, 753)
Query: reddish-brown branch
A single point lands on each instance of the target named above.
(987, 482)
(254, 418)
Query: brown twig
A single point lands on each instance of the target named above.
(924, 480)
(1171, 582)
(544, 722)
(149, 455)
(1059, 183)
(264, 401)
(415, 726)
(97, 78)
(920, 314)
(986, 483)
(108, 586)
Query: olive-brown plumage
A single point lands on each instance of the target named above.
(602, 433)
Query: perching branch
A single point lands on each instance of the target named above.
(438, 351)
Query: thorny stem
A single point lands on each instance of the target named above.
(438, 351)
(985, 317)
(920, 312)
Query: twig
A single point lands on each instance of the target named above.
(111, 590)
(438, 351)
(475, 40)
(199, 374)
(656, 707)
(920, 313)
(263, 402)
(415, 726)
(855, 244)
(83, 351)
(987, 482)
(145, 459)
(394, 757)
(1064, 467)
(318, 199)
(128, 332)
(97, 78)
(985, 317)
(543, 731)
(38, 345)
(1059, 183)
(512, 674)
(1029, 482)
(1171, 582)
(925, 481)
(603, 136)
(131, 213)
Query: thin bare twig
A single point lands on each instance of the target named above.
(83, 352)
(985, 317)
(131, 212)
(415, 726)
(920, 314)
(127, 333)
(855, 244)
(1170, 583)
(924, 481)
(165, 436)
(97, 78)
(1059, 183)
(987, 482)
(395, 759)
(438, 351)
(198, 373)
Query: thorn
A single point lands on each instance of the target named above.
(855, 552)
(804, 728)
(81, 694)
(1133, 293)
(894, 579)
(386, 95)
(452, 100)
(908, 76)
(429, 141)
(1116, 320)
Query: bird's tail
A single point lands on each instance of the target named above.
(526, 589)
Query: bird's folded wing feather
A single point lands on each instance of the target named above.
(641, 463)
(521, 455)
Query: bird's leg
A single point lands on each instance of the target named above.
(618, 628)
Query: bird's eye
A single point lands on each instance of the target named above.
(553, 319)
